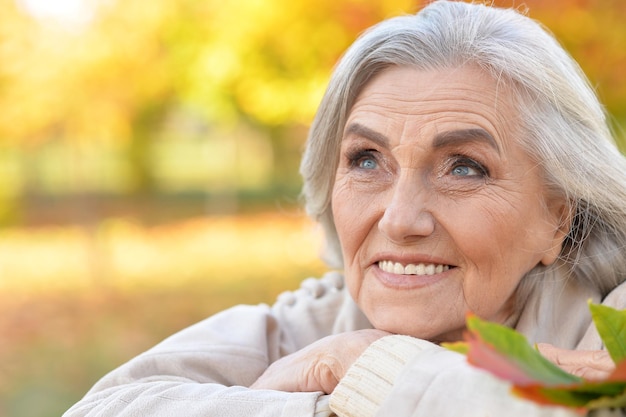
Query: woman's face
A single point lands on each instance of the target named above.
(438, 208)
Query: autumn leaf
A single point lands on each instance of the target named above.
(586, 395)
(611, 325)
(458, 347)
(507, 354)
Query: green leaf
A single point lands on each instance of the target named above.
(507, 354)
(554, 396)
(618, 401)
(586, 394)
(458, 347)
(611, 325)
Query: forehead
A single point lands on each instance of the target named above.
(427, 102)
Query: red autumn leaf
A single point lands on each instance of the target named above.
(506, 354)
(484, 356)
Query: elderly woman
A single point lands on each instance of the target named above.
(459, 162)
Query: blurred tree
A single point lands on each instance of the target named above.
(118, 79)
(593, 31)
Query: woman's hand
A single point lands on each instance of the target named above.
(319, 366)
(588, 364)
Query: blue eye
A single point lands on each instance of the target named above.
(363, 159)
(367, 163)
(465, 167)
(463, 171)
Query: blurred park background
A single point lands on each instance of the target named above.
(148, 165)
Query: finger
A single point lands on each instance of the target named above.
(580, 361)
(548, 351)
(318, 366)
(591, 374)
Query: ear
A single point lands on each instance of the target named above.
(563, 214)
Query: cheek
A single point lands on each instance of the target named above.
(354, 216)
(504, 229)
(500, 246)
(347, 205)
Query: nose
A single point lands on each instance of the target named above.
(407, 215)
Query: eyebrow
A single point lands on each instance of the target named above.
(443, 139)
(367, 133)
(456, 137)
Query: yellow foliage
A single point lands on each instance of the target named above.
(117, 80)
(267, 60)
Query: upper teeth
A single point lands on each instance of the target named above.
(412, 269)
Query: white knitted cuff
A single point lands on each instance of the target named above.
(370, 379)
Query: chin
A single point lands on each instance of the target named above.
(425, 333)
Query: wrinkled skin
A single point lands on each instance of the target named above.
(593, 365)
(319, 366)
(431, 173)
(431, 163)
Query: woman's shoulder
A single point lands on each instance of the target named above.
(314, 292)
(617, 297)
(320, 307)
(316, 297)
(298, 317)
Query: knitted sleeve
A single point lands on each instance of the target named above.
(370, 379)
(401, 376)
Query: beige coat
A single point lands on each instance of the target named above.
(204, 370)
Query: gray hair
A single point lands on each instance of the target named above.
(564, 126)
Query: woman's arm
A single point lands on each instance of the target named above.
(191, 399)
(402, 376)
(319, 366)
(202, 371)
(205, 369)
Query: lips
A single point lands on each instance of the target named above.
(420, 269)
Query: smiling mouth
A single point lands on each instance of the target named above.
(412, 269)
